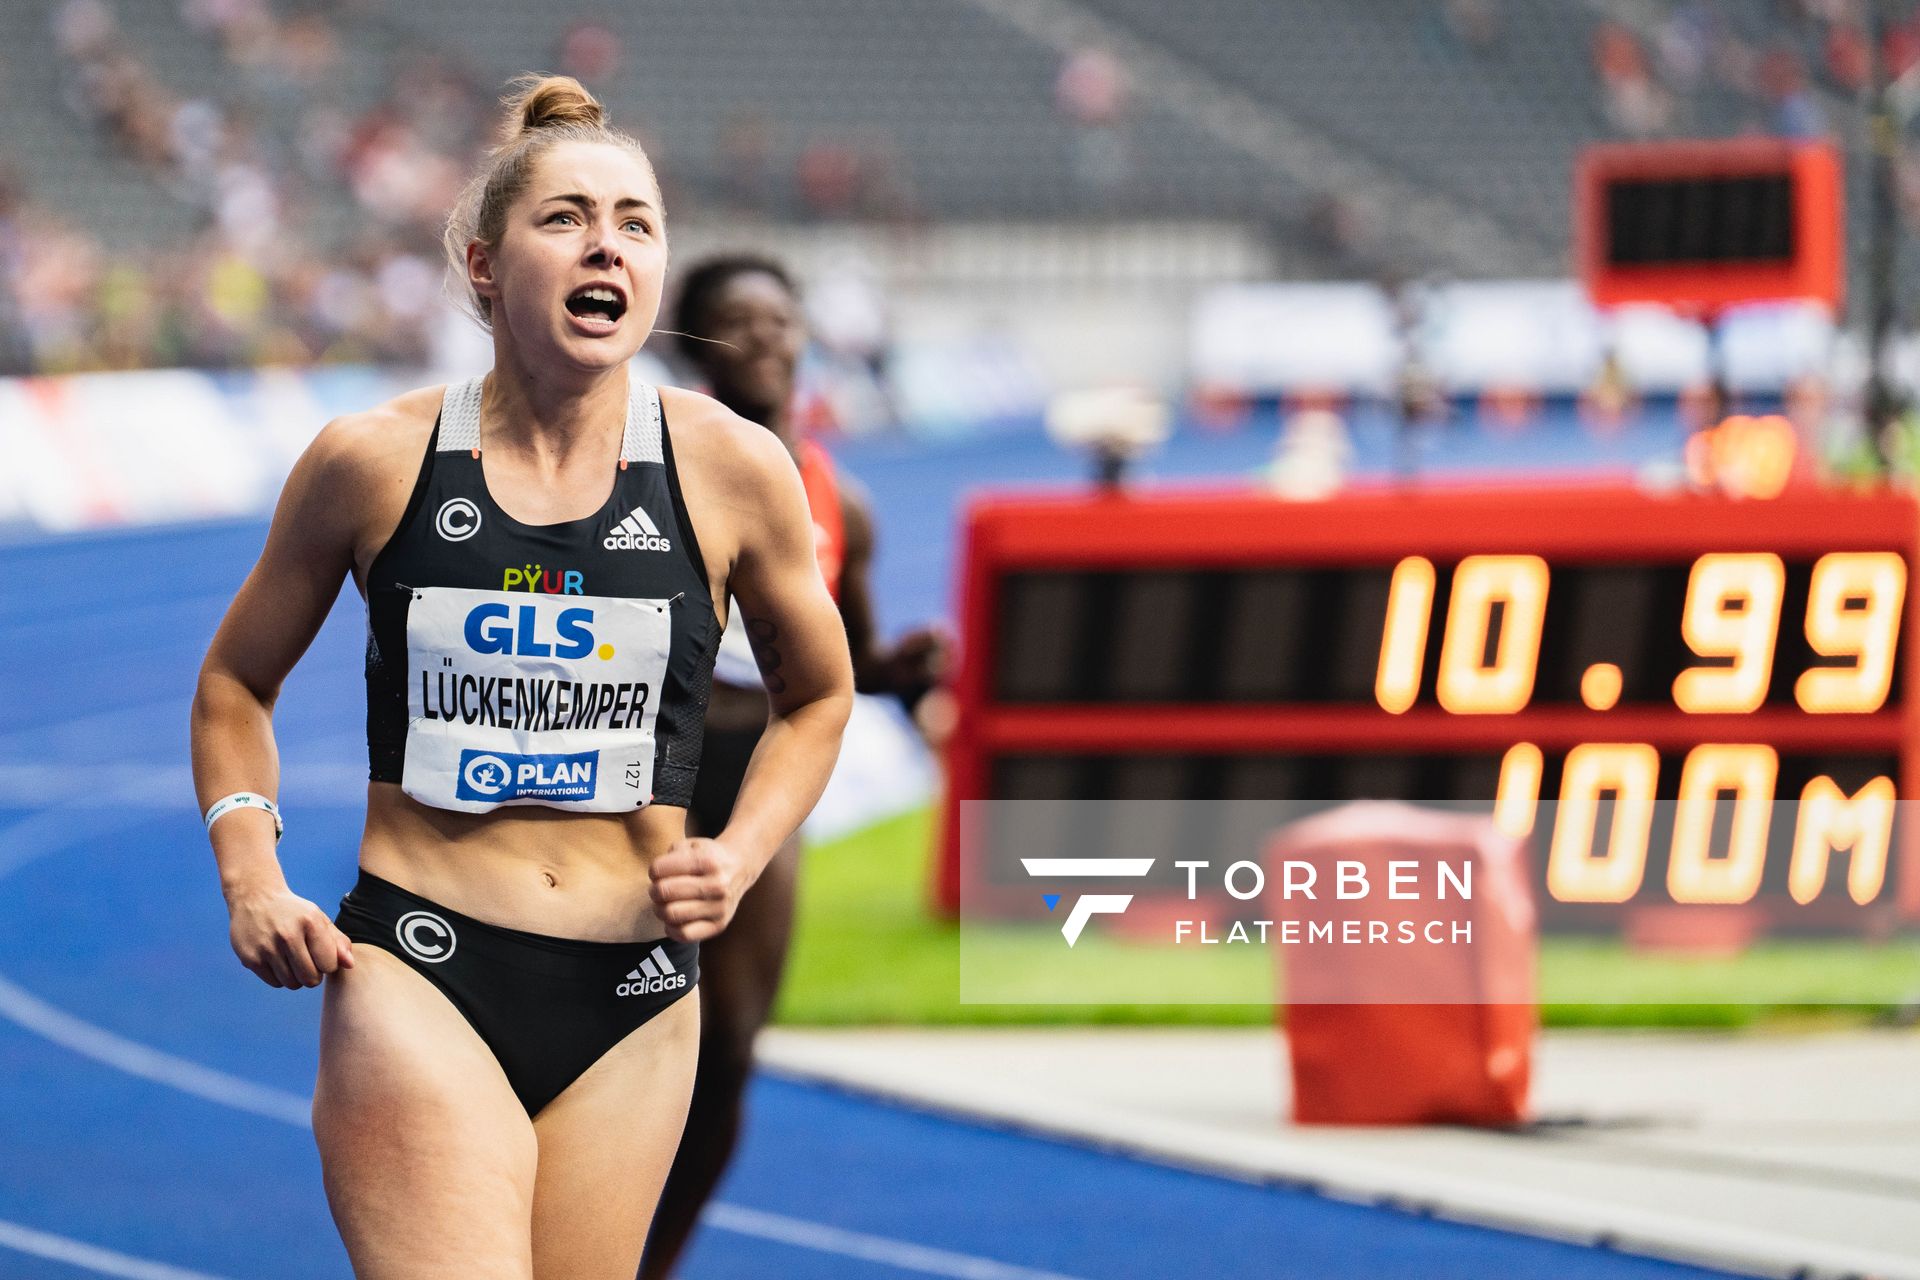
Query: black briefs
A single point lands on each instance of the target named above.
(548, 1008)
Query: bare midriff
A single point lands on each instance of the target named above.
(583, 876)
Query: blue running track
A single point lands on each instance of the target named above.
(153, 1094)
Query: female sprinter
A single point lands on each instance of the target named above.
(546, 552)
(739, 323)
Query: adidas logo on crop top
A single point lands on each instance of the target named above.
(565, 665)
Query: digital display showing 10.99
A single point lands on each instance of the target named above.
(1728, 633)
(1633, 679)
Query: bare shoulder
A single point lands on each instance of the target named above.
(360, 446)
(360, 469)
(736, 476)
(733, 456)
(732, 471)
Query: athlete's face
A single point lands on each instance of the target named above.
(577, 273)
(758, 339)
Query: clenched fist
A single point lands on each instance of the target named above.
(286, 940)
(697, 883)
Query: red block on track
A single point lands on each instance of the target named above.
(1431, 1030)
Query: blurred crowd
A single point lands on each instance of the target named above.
(299, 186)
(260, 277)
(313, 200)
(1782, 67)
(1774, 62)
(69, 304)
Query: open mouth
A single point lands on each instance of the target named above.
(598, 305)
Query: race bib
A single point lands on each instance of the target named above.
(532, 699)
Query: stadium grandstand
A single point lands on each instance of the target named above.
(225, 182)
(1245, 441)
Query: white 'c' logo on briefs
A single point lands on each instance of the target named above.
(425, 936)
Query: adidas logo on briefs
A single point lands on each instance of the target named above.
(655, 974)
(636, 533)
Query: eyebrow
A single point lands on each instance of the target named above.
(587, 202)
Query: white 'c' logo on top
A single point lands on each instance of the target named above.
(458, 520)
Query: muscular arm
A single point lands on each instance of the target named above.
(743, 476)
(905, 670)
(272, 620)
(801, 648)
(870, 673)
(279, 609)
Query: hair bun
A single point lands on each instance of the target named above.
(549, 102)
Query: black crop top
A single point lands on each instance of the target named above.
(564, 664)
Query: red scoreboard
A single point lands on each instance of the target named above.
(1708, 224)
(1682, 699)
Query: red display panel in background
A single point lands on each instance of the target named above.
(1598, 540)
(1767, 215)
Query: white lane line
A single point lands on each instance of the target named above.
(136, 1059)
(48, 831)
(897, 1254)
(336, 782)
(89, 1041)
(89, 1257)
(226, 1090)
(103, 723)
(55, 828)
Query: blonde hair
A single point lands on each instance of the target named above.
(540, 113)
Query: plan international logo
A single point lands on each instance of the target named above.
(500, 776)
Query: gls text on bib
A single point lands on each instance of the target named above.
(532, 699)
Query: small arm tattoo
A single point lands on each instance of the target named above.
(761, 635)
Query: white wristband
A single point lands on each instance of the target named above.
(246, 800)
